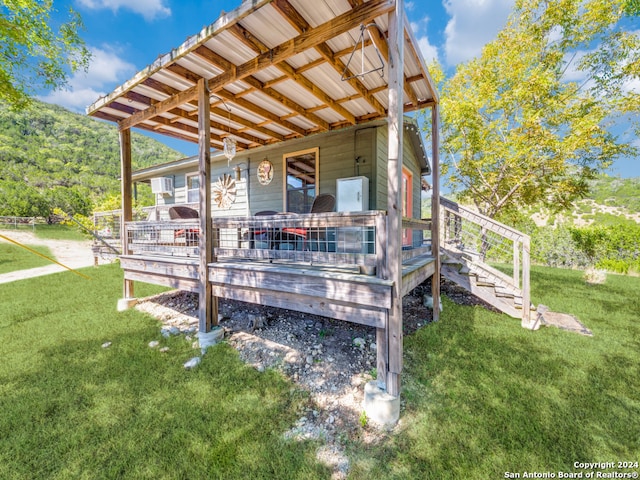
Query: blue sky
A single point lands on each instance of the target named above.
(125, 36)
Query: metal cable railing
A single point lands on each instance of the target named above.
(501, 252)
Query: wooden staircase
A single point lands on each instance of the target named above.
(470, 243)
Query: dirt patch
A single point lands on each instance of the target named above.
(71, 253)
(330, 359)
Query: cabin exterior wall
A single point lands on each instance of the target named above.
(361, 151)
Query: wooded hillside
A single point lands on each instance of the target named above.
(51, 157)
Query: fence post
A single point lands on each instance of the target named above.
(516, 263)
(526, 288)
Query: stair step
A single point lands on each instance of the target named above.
(508, 291)
(450, 261)
(486, 293)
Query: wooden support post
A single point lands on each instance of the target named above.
(207, 305)
(435, 210)
(394, 195)
(516, 263)
(526, 287)
(382, 353)
(125, 191)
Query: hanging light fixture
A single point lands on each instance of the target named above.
(229, 144)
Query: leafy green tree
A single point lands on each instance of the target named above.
(515, 130)
(20, 200)
(33, 52)
(69, 199)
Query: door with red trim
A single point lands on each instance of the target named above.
(407, 204)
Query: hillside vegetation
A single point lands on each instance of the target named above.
(51, 157)
(611, 201)
(601, 231)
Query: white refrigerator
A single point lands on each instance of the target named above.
(352, 195)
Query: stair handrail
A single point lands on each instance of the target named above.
(521, 248)
(487, 222)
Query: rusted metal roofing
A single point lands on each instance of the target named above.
(277, 69)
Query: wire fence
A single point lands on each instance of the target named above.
(16, 223)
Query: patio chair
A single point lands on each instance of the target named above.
(299, 237)
(180, 212)
(261, 237)
(325, 202)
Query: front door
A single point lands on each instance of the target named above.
(407, 204)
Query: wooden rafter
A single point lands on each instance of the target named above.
(301, 25)
(257, 46)
(163, 96)
(179, 113)
(309, 39)
(256, 85)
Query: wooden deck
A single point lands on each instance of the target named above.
(337, 292)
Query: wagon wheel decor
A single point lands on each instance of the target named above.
(224, 192)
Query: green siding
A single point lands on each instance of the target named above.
(410, 162)
(358, 151)
(337, 159)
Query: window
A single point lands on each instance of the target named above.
(301, 178)
(193, 188)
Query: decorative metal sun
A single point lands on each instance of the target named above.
(224, 192)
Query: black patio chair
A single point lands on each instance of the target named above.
(309, 239)
(262, 237)
(180, 212)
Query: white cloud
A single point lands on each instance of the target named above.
(106, 71)
(429, 51)
(149, 9)
(473, 24)
(571, 72)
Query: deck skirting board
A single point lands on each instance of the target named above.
(370, 316)
(345, 288)
(188, 285)
(332, 292)
(163, 266)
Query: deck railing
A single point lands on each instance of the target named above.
(356, 239)
(177, 238)
(322, 238)
(482, 240)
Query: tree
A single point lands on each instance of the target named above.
(32, 53)
(20, 200)
(515, 130)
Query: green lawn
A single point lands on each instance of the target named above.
(14, 258)
(72, 409)
(481, 396)
(59, 232)
(485, 397)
